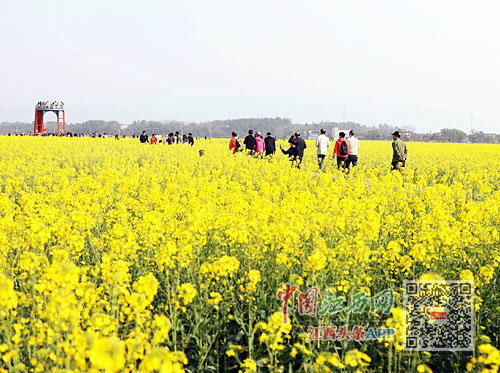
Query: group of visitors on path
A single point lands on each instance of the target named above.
(345, 150)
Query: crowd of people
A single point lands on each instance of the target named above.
(345, 151)
(50, 134)
(50, 105)
(170, 139)
(256, 145)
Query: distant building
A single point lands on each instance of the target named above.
(337, 130)
(405, 134)
(312, 134)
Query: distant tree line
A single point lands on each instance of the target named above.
(280, 127)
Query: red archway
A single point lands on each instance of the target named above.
(41, 109)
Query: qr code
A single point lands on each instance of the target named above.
(439, 315)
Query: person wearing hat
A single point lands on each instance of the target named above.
(399, 152)
(270, 144)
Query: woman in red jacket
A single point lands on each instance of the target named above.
(234, 144)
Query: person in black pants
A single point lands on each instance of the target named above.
(143, 138)
(301, 145)
(250, 142)
(291, 152)
(270, 144)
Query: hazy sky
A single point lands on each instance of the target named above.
(426, 64)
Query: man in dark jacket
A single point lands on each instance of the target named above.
(291, 152)
(250, 142)
(301, 145)
(270, 143)
(143, 138)
(190, 139)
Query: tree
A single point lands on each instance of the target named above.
(452, 135)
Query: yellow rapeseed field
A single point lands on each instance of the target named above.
(119, 256)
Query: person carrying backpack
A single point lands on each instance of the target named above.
(341, 150)
(235, 144)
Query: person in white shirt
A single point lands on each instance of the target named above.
(322, 143)
(353, 145)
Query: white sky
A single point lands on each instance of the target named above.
(426, 64)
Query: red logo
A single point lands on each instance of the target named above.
(439, 315)
(285, 296)
(308, 302)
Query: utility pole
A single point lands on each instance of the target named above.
(471, 127)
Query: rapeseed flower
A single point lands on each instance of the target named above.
(121, 257)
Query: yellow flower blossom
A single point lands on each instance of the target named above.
(105, 245)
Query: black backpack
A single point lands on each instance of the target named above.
(343, 148)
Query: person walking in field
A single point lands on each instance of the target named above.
(190, 139)
(322, 143)
(270, 144)
(301, 146)
(143, 138)
(399, 152)
(170, 138)
(292, 152)
(250, 142)
(234, 143)
(353, 144)
(154, 140)
(259, 145)
(341, 151)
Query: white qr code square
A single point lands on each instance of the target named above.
(439, 315)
